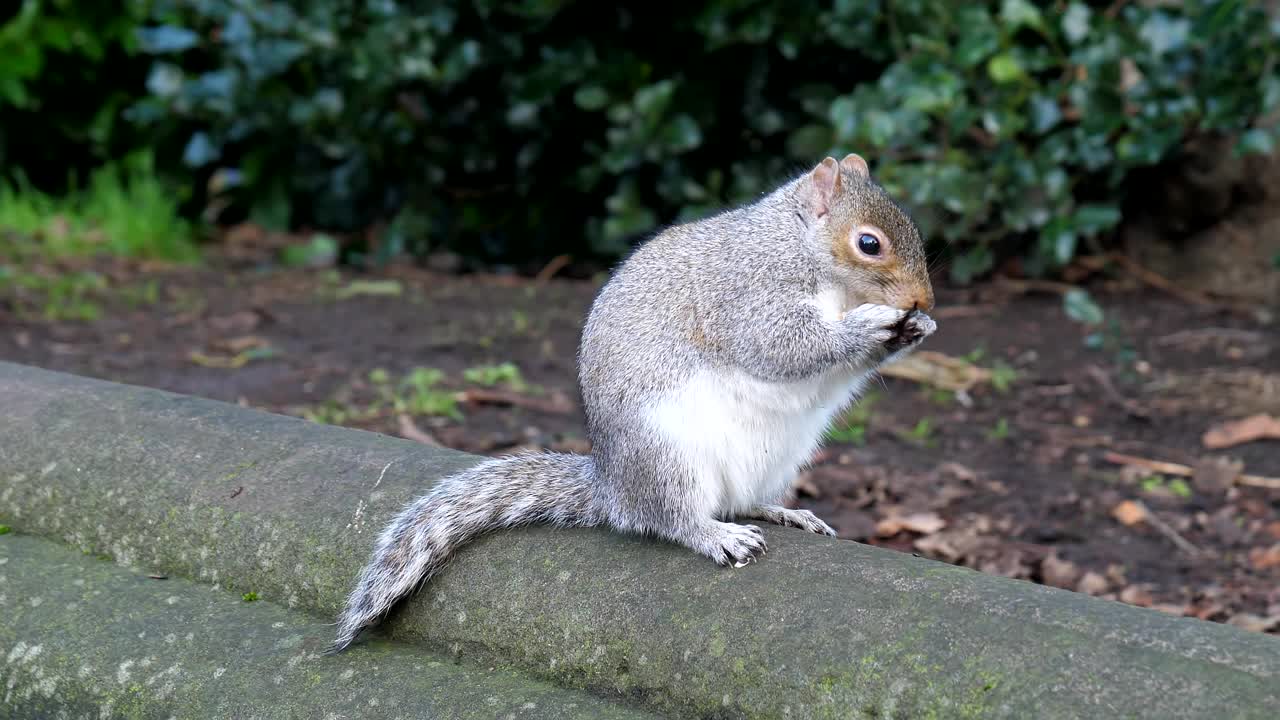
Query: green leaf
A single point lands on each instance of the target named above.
(1093, 219)
(522, 114)
(1164, 33)
(810, 141)
(972, 264)
(682, 134)
(1005, 68)
(200, 151)
(1075, 22)
(978, 37)
(1021, 13)
(653, 100)
(1256, 141)
(321, 250)
(1045, 113)
(591, 97)
(166, 39)
(1062, 239)
(1080, 307)
(371, 287)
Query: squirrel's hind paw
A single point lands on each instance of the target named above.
(729, 544)
(787, 517)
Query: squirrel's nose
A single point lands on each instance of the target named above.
(924, 301)
(921, 300)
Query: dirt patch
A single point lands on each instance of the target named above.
(1015, 476)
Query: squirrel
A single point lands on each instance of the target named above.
(710, 365)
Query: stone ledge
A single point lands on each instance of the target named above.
(80, 637)
(821, 628)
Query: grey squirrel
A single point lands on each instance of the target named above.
(710, 366)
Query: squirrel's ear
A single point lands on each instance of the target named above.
(825, 179)
(855, 164)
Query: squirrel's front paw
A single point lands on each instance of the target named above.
(880, 323)
(914, 327)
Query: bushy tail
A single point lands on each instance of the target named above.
(552, 488)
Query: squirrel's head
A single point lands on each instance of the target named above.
(875, 246)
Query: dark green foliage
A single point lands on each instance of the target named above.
(514, 131)
(66, 73)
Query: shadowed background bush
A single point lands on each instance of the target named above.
(512, 132)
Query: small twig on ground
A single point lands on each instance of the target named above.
(1199, 337)
(1169, 468)
(555, 405)
(1104, 381)
(1033, 286)
(1160, 282)
(556, 265)
(1259, 482)
(1164, 529)
(409, 430)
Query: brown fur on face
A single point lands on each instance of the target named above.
(850, 201)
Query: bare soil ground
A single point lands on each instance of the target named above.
(1029, 471)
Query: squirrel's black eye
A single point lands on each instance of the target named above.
(869, 244)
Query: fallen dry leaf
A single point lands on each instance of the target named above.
(1059, 573)
(958, 471)
(939, 370)
(240, 344)
(1136, 595)
(1238, 432)
(1208, 611)
(805, 485)
(926, 523)
(1093, 584)
(243, 321)
(1115, 573)
(557, 403)
(1169, 468)
(1129, 513)
(1254, 623)
(951, 546)
(1263, 558)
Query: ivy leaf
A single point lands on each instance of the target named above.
(1093, 219)
(1075, 22)
(591, 97)
(1045, 113)
(1255, 141)
(1061, 239)
(200, 151)
(682, 134)
(166, 39)
(978, 36)
(1080, 307)
(1163, 33)
(1005, 68)
(1021, 13)
(972, 264)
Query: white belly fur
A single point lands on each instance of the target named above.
(743, 438)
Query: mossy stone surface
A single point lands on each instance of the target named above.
(81, 637)
(821, 628)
